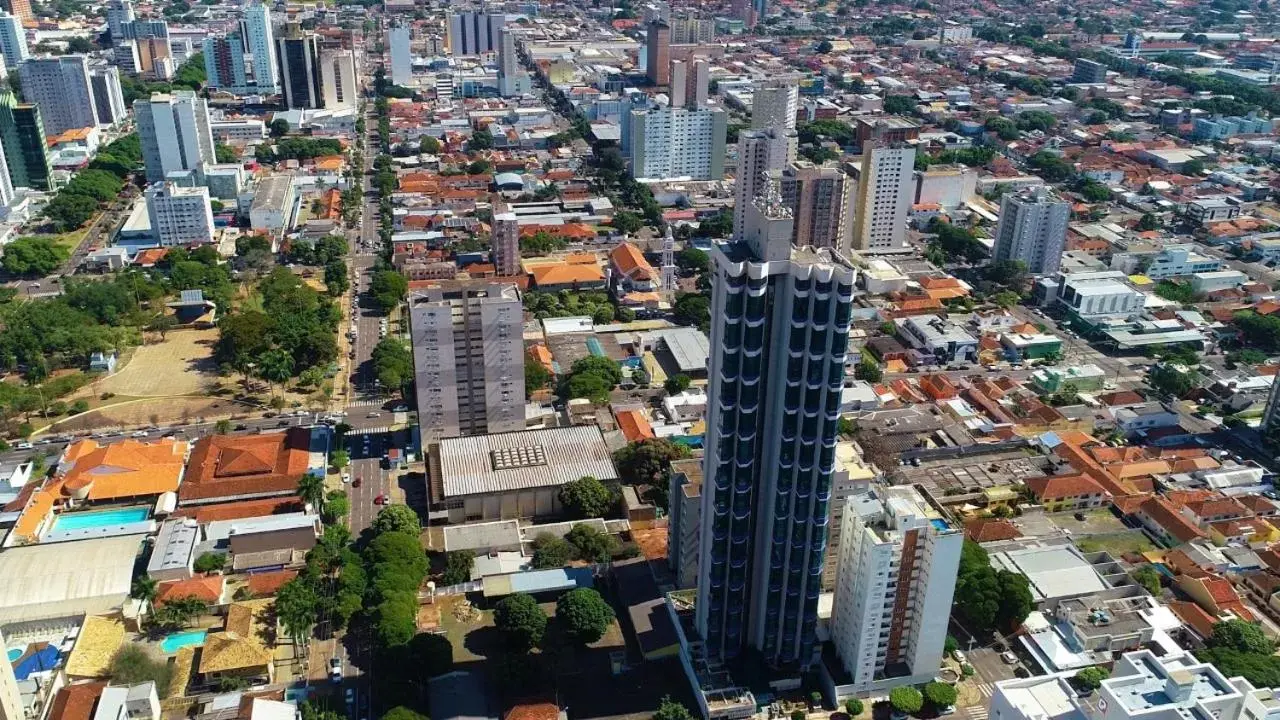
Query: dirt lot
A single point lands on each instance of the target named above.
(180, 365)
(121, 413)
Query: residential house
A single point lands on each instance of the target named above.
(1067, 492)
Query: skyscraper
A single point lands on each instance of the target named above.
(13, 41)
(669, 142)
(468, 359)
(505, 240)
(118, 13)
(508, 64)
(658, 53)
(1033, 229)
(819, 197)
(699, 83)
(897, 575)
(259, 44)
(6, 182)
(692, 29)
(224, 64)
(774, 104)
(23, 139)
(779, 334)
(883, 199)
(338, 78)
(759, 152)
(474, 33)
(299, 69)
(679, 91)
(179, 215)
(399, 40)
(108, 96)
(60, 87)
(175, 134)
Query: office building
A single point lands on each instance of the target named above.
(759, 153)
(1179, 261)
(258, 40)
(679, 82)
(468, 360)
(13, 41)
(338, 79)
(941, 342)
(505, 241)
(897, 575)
(23, 139)
(274, 207)
(1091, 295)
(658, 53)
(299, 53)
(699, 84)
(60, 87)
(224, 63)
(819, 197)
(882, 201)
(119, 12)
(692, 30)
(774, 104)
(1033, 229)
(399, 40)
(108, 96)
(11, 707)
(179, 215)
(20, 9)
(671, 142)
(175, 134)
(508, 64)
(781, 318)
(682, 526)
(474, 33)
(1089, 72)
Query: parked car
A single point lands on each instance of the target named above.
(335, 670)
(380, 500)
(1009, 658)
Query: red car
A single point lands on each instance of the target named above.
(380, 500)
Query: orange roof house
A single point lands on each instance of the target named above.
(208, 588)
(224, 468)
(1160, 517)
(1055, 488)
(939, 387)
(125, 469)
(982, 530)
(943, 288)
(1215, 595)
(568, 276)
(629, 262)
(634, 425)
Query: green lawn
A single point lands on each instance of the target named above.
(1132, 541)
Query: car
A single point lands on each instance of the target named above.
(380, 500)
(1009, 658)
(24, 446)
(335, 670)
(346, 478)
(355, 483)
(138, 433)
(1021, 672)
(1079, 516)
(959, 656)
(948, 710)
(400, 408)
(373, 415)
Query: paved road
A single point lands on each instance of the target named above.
(101, 228)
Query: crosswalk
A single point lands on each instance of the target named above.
(980, 710)
(370, 430)
(366, 403)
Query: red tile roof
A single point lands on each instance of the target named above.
(990, 530)
(76, 702)
(207, 588)
(228, 467)
(1053, 487)
(1163, 514)
(534, 711)
(269, 583)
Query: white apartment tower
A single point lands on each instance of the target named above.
(508, 63)
(60, 86)
(774, 104)
(759, 153)
(505, 241)
(260, 46)
(108, 95)
(399, 40)
(1033, 229)
(882, 203)
(179, 215)
(897, 574)
(174, 132)
(338, 79)
(13, 41)
(678, 142)
(468, 360)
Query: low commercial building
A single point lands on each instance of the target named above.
(179, 215)
(1085, 378)
(1207, 282)
(274, 206)
(515, 474)
(227, 468)
(1091, 295)
(66, 581)
(939, 340)
(1180, 260)
(1030, 346)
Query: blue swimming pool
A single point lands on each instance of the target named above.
(14, 654)
(175, 642)
(99, 518)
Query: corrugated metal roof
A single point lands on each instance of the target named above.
(467, 467)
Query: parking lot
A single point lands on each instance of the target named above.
(971, 473)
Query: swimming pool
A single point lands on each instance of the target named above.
(99, 518)
(175, 642)
(14, 654)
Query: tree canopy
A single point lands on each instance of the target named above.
(584, 615)
(586, 497)
(521, 621)
(987, 599)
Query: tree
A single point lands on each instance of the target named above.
(1240, 636)
(669, 709)
(986, 598)
(1148, 222)
(279, 127)
(586, 497)
(1149, 578)
(550, 552)
(143, 588)
(592, 377)
(336, 506)
(33, 256)
(536, 375)
(899, 104)
(868, 369)
(401, 712)
(429, 145)
(339, 459)
(275, 366)
(431, 653)
(591, 544)
(1193, 167)
(311, 490)
(626, 222)
(824, 47)
(853, 707)
(521, 621)
(1168, 380)
(388, 289)
(584, 615)
(692, 309)
(646, 462)
(692, 260)
(676, 384)
(1091, 678)
(481, 139)
(393, 364)
(210, 562)
(457, 567)
(939, 694)
(397, 519)
(162, 324)
(906, 699)
(297, 608)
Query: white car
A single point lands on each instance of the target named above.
(139, 433)
(1009, 658)
(335, 670)
(346, 478)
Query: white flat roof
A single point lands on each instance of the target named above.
(50, 581)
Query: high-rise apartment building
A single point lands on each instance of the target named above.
(820, 197)
(774, 104)
(175, 134)
(108, 96)
(699, 86)
(299, 54)
(143, 49)
(678, 91)
(224, 64)
(11, 706)
(897, 574)
(468, 359)
(1271, 413)
(1033, 229)
(400, 40)
(669, 142)
(692, 30)
(759, 153)
(779, 334)
(338, 78)
(258, 39)
(882, 202)
(179, 215)
(1089, 72)
(119, 12)
(657, 55)
(13, 41)
(60, 86)
(22, 136)
(505, 241)
(682, 526)
(508, 64)
(474, 33)
(20, 9)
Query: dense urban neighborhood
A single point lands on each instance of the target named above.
(639, 360)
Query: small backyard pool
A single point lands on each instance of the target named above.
(175, 642)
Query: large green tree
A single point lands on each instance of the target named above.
(521, 621)
(397, 519)
(586, 497)
(584, 615)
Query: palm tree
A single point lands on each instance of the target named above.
(311, 490)
(144, 588)
(222, 427)
(275, 366)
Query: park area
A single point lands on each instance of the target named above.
(181, 364)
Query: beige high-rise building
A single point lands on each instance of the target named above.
(10, 697)
(679, 83)
(883, 199)
(505, 243)
(699, 83)
(658, 53)
(759, 153)
(820, 197)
